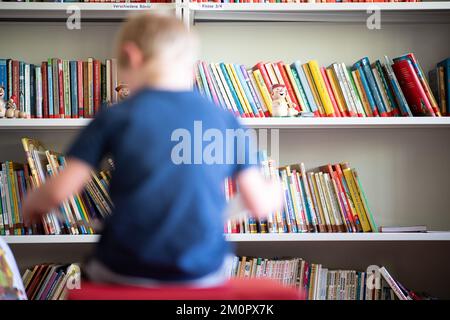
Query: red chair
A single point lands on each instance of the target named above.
(237, 289)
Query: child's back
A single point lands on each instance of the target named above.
(167, 223)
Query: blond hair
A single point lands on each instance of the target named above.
(157, 36)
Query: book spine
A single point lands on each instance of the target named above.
(321, 88)
(21, 97)
(243, 85)
(252, 91)
(90, 86)
(50, 87)
(305, 85)
(387, 89)
(26, 88)
(39, 88)
(80, 87)
(337, 91)
(226, 89)
(353, 92)
(361, 93)
(299, 88)
(383, 93)
(241, 96)
(373, 86)
(74, 88)
(315, 93)
(4, 78)
(96, 86)
(33, 91)
(264, 91)
(231, 89)
(412, 88)
(330, 92)
(365, 86)
(44, 78)
(344, 89)
(285, 78)
(61, 88)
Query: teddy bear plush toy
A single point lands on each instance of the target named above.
(280, 106)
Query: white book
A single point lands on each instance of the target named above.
(356, 101)
(398, 292)
(399, 229)
(27, 108)
(226, 88)
(38, 92)
(219, 84)
(344, 88)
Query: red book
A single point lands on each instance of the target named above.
(61, 88)
(412, 88)
(16, 81)
(44, 90)
(287, 83)
(97, 86)
(80, 89)
(337, 113)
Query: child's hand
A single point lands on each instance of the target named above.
(30, 214)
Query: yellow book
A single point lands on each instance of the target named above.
(313, 89)
(241, 89)
(348, 175)
(369, 215)
(263, 89)
(236, 87)
(337, 92)
(288, 70)
(14, 191)
(321, 88)
(362, 94)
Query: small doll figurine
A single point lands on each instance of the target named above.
(11, 106)
(280, 106)
(123, 91)
(2, 103)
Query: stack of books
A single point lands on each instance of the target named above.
(74, 216)
(327, 199)
(391, 88)
(51, 281)
(320, 283)
(60, 88)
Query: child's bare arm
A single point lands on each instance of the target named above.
(56, 189)
(259, 196)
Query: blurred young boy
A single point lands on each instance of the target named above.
(167, 224)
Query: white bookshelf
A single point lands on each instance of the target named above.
(424, 12)
(237, 237)
(48, 11)
(402, 162)
(257, 123)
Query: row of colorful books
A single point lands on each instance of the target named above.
(50, 281)
(395, 87)
(440, 84)
(75, 216)
(320, 283)
(326, 199)
(60, 88)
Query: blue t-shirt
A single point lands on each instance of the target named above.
(167, 222)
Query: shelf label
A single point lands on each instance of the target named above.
(216, 6)
(131, 6)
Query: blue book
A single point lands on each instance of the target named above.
(390, 95)
(50, 88)
(247, 93)
(33, 90)
(358, 66)
(73, 88)
(21, 97)
(4, 78)
(373, 86)
(446, 65)
(296, 77)
(230, 86)
(309, 95)
(397, 91)
(204, 81)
